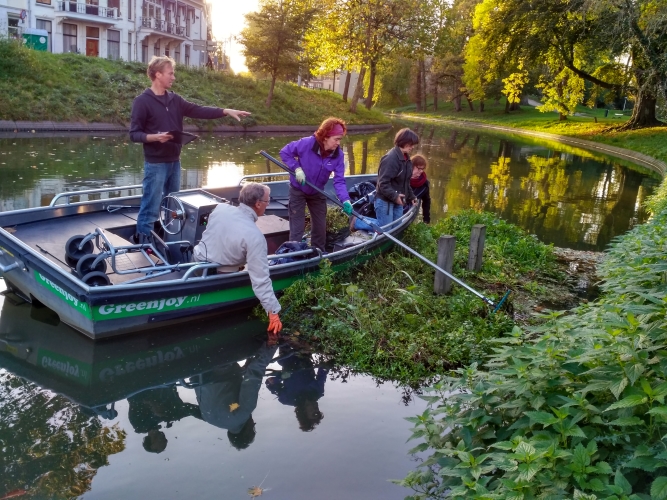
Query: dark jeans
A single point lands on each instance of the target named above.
(160, 179)
(424, 194)
(317, 205)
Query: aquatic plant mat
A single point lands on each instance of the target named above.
(572, 408)
(382, 318)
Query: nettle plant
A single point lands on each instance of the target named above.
(574, 408)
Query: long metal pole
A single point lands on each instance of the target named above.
(379, 230)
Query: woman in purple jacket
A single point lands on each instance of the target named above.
(313, 159)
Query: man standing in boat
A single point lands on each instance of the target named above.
(232, 239)
(155, 113)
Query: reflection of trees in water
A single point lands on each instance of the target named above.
(49, 445)
(563, 198)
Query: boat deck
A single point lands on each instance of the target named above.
(49, 238)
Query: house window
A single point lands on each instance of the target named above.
(129, 10)
(45, 2)
(144, 50)
(113, 8)
(45, 25)
(92, 7)
(187, 55)
(156, 49)
(177, 54)
(69, 38)
(129, 46)
(13, 29)
(113, 44)
(92, 41)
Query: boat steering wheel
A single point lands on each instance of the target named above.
(172, 214)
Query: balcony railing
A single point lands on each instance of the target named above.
(160, 25)
(91, 10)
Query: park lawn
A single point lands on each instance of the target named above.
(652, 141)
(40, 86)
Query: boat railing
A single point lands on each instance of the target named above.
(245, 178)
(162, 267)
(69, 194)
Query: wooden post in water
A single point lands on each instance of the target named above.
(477, 237)
(446, 246)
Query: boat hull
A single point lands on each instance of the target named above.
(101, 312)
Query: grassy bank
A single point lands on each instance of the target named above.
(652, 142)
(383, 318)
(41, 86)
(574, 408)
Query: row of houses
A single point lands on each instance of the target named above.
(132, 30)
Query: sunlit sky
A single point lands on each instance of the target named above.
(228, 20)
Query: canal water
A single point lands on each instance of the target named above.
(210, 410)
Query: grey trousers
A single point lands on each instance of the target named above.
(317, 205)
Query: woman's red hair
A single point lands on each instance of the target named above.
(326, 126)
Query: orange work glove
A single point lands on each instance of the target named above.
(275, 324)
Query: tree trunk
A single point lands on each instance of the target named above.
(561, 117)
(481, 105)
(346, 89)
(422, 74)
(358, 91)
(470, 104)
(435, 94)
(643, 114)
(457, 103)
(371, 85)
(418, 88)
(270, 97)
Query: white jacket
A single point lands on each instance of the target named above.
(232, 239)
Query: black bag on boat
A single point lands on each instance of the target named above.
(288, 247)
(335, 238)
(366, 190)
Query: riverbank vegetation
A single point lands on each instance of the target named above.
(572, 408)
(39, 86)
(590, 124)
(383, 318)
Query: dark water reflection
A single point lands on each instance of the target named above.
(208, 410)
(566, 196)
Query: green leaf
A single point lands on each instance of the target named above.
(527, 471)
(620, 481)
(627, 421)
(617, 387)
(542, 417)
(648, 464)
(660, 411)
(659, 488)
(630, 401)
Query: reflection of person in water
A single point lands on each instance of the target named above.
(150, 408)
(228, 396)
(299, 386)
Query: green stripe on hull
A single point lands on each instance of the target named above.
(160, 305)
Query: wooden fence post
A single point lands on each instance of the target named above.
(477, 236)
(446, 246)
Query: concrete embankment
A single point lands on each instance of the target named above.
(8, 127)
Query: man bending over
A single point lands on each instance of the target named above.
(232, 239)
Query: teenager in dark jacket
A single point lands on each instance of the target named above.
(393, 190)
(156, 112)
(420, 185)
